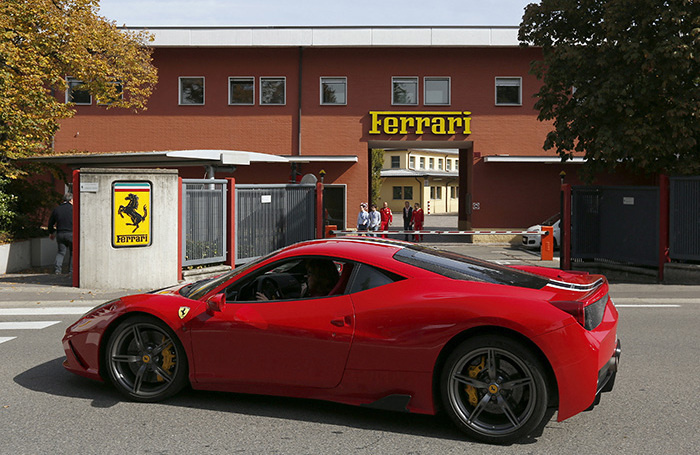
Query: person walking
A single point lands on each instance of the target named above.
(387, 218)
(375, 219)
(417, 220)
(407, 218)
(61, 228)
(363, 218)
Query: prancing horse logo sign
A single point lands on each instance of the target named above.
(182, 312)
(131, 222)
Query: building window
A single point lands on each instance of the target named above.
(395, 162)
(448, 165)
(439, 164)
(422, 163)
(404, 90)
(75, 93)
(432, 192)
(408, 192)
(456, 165)
(508, 91)
(191, 91)
(431, 163)
(334, 90)
(412, 162)
(272, 90)
(436, 90)
(396, 192)
(453, 192)
(438, 192)
(241, 90)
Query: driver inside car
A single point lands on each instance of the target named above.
(321, 277)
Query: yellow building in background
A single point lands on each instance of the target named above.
(427, 176)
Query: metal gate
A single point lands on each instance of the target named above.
(619, 224)
(203, 221)
(269, 217)
(684, 222)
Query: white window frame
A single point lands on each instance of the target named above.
(270, 78)
(72, 80)
(510, 79)
(448, 165)
(179, 91)
(437, 78)
(323, 80)
(240, 78)
(422, 162)
(395, 79)
(431, 163)
(411, 162)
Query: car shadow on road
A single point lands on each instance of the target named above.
(51, 378)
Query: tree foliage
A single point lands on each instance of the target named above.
(377, 158)
(621, 81)
(42, 42)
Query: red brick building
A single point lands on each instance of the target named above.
(324, 97)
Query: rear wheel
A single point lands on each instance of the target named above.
(494, 389)
(144, 359)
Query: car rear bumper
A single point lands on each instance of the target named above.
(606, 375)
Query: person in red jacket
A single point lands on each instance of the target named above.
(417, 221)
(387, 218)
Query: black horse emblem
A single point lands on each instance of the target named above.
(130, 209)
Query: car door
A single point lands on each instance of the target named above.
(289, 342)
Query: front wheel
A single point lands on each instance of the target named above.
(494, 389)
(144, 360)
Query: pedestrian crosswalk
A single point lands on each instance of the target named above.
(13, 320)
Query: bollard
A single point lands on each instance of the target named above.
(547, 243)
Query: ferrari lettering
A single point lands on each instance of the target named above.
(419, 123)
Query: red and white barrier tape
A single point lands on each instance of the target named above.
(438, 232)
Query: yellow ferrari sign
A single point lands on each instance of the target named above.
(131, 223)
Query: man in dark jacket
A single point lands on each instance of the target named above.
(61, 227)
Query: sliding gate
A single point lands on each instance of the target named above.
(269, 217)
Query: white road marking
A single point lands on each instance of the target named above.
(3, 339)
(44, 311)
(27, 325)
(646, 306)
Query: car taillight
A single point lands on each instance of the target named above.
(574, 308)
(589, 316)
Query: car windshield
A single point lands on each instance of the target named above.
(460, 267)
(551, 220)
(198, 289)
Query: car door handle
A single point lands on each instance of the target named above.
(341, 321)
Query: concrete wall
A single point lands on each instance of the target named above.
(103, 266)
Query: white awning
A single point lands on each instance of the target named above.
(532, 159)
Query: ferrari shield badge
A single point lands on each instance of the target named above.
(182, 312)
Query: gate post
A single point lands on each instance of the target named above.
(179, 229)
(565, 228)
(664, 208)
(320, 233)
(231, 222)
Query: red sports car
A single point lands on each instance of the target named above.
(370, 322)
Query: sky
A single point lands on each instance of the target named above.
(314, 12)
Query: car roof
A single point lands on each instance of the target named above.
(351, 247)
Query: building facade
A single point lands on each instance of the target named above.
(324, 97)
(428, 177)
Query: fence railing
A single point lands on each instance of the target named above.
(203, 221)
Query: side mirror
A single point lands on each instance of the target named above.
(216, 303)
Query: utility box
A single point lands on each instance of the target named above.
(128, 228)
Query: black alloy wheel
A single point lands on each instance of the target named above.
(494, 389)
(144, 360)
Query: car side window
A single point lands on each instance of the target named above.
(368, 277)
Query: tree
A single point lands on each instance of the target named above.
(621, 81)
(376, 165)
(42, 42)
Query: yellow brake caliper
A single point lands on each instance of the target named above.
(168, 360)
(473, 372)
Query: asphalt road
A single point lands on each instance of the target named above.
(43, 409)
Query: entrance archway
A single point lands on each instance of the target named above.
(466, 159)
